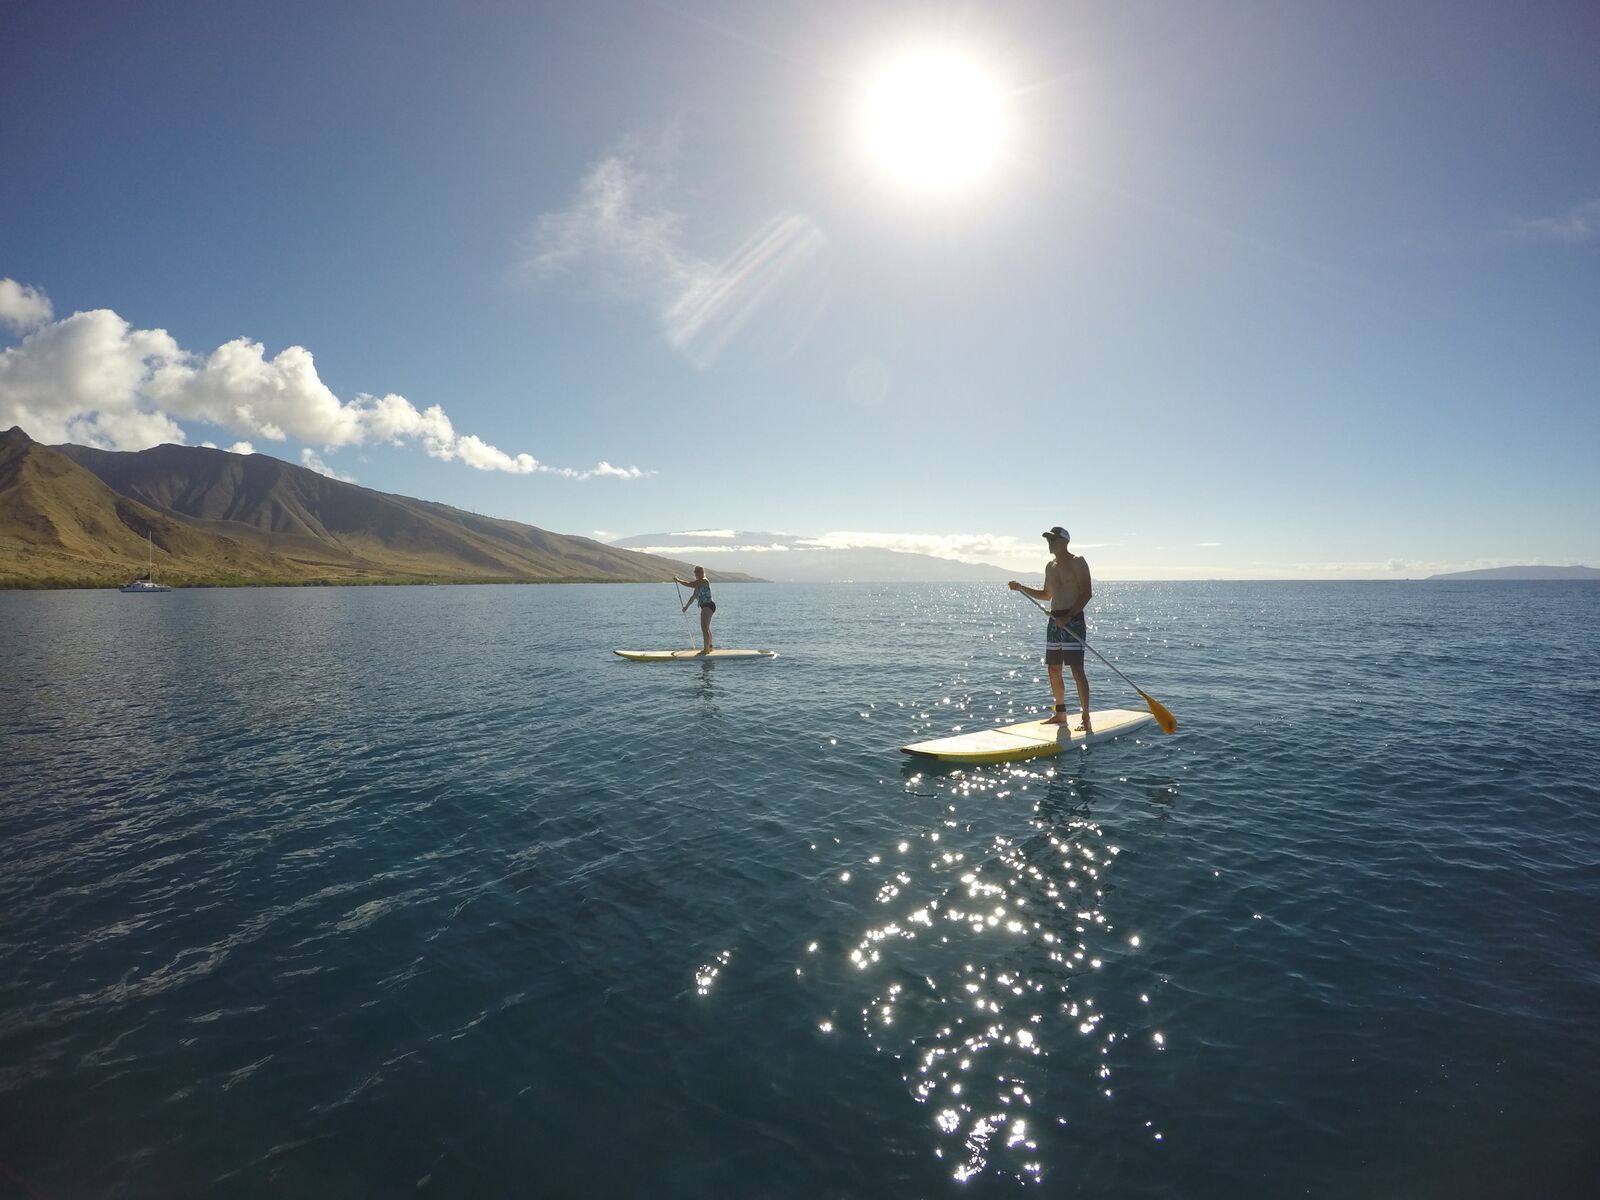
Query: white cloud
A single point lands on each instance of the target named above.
(241, 448)
(604, 470)
(476, 452)
(743, 548)
(618, 224)
(239, 388)
(93, 379)
(613, 219)
(311, 459)
(83, 379)
(1578, 224)
(23, 308)
(394, 420)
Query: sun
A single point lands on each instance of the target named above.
(932, 121)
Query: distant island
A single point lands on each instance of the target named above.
(73, 516)
(1510, 573)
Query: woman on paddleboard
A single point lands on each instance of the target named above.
(1067, 589)
(700, 589)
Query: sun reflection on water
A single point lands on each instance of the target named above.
(990, 975)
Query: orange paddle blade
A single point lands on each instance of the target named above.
(1168, 723)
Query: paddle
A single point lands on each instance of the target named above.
(1166, 720)
(684, 609)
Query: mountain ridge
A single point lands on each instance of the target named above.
(76, 516)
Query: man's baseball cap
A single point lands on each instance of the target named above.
(1055, 531)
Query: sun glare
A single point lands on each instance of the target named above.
(932, 121)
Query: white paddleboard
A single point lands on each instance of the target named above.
(1031, 739)
(692, 655)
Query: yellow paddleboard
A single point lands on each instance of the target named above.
(1032, 739)
(692, 655)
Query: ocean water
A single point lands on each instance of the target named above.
(391, 891)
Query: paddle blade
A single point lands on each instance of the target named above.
(1168, 723)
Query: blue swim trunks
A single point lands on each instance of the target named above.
(1060, 646)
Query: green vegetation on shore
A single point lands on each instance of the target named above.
(76, 517)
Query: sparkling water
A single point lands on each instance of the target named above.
(380, 891)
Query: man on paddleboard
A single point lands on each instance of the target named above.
(1067, 590)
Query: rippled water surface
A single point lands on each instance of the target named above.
(366, 892)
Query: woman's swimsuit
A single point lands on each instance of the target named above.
(702, 592)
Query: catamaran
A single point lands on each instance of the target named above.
(144, 583)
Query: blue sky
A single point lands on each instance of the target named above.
(1247, 290)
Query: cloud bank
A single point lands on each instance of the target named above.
(93, 379)
(619, 228)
